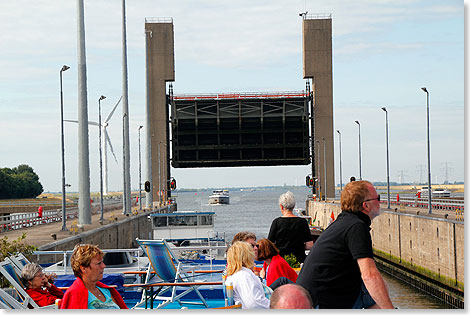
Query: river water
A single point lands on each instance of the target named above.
(254, 210)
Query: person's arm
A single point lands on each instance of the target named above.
(308, 245)
(374, 282)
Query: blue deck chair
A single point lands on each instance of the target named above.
(10, 272)
(166, 273)
(9, 302)
(19, 260)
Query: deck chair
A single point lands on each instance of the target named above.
(10, 272)
(19, 260)
(9, 302)
(166, 273)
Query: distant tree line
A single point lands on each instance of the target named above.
(19, 182)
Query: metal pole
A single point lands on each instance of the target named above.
(388, 162)
(429, 153)
(140, 174)
(324, 165)
(84, 207)
(360, 164)
(159, 177)
(102, 97)
(125, 112)
(64, 68)
(124, 191)
(340, 165)
(148, 114)
(320, 190)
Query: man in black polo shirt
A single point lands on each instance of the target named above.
(340, 268)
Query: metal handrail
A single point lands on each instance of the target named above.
(317, 16)
(158, 20)
(17, 221)
(241, 95)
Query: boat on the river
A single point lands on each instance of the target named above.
(436, 193)
(441, 193)
(219, 197)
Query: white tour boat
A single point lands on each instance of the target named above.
(219, 197)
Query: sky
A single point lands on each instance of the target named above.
(384, 51)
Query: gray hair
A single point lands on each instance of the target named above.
(29, 271)
(287, 200)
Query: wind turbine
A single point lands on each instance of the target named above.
(104, 150)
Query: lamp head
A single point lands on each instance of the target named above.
(384, 109)
(424, 89)
(140, 127)
(64, 68)
(338, 131)
(102, 97)
(357, 122)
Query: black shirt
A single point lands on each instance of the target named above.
(330, 272)
(290, 234)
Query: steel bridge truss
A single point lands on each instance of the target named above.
(226, 130)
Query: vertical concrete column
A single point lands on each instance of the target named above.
(160, 69)
(317, 65)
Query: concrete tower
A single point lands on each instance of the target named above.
(317, 64)
(160, 69)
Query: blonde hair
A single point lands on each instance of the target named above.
(82, 256)
(239, 255)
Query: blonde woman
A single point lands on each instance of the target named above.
(247, 288)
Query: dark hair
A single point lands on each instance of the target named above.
(266, 249)
(354, 194)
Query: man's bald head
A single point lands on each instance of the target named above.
(290, 296)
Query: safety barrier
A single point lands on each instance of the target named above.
(17, 221)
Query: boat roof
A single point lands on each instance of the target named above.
(180, 213)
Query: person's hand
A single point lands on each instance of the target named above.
(262, 273)
(51, 277)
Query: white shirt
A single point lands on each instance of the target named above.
(247, 289)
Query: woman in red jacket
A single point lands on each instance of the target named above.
(275, 270)
(39, 286)
(87, 292)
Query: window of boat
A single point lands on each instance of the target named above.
(205, 220)
(179, 220)
(159, 221)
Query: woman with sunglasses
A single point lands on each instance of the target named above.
(247, 287)
(87, 292)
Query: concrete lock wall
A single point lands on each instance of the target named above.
(432, 247)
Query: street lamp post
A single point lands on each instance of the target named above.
(340, 165)
(64, 68)
(140, 175)
(360, 164)
(429, 152)
(324, 164)
(388, 161)
(102, 97)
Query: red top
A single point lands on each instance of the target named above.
(279, 268)
(76, 297)
(47, 296)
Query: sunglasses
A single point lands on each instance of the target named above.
(378, 199)
(254, 245)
